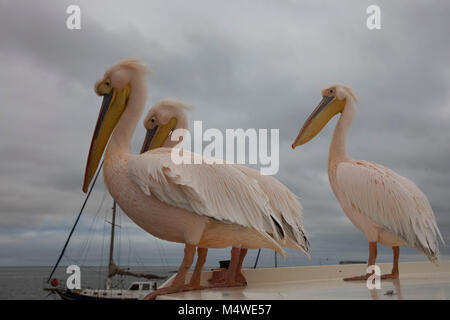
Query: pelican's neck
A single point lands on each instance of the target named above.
(123, 133)
(337, 147)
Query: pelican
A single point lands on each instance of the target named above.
(388, 208)
(173, 109)
(202, 206)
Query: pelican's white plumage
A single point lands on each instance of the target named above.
(388, 208)
(391, 201)
(224, 192)
(203, 206)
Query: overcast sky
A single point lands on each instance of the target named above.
(241, 64)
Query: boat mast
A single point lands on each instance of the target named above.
(113, 269)
(111, 243)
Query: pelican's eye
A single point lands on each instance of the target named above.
(152, 123)
(331, 91)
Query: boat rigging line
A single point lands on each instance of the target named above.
(76, 222)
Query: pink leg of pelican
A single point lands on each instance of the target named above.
(232, 276)
(373, 257)
(239, 278)
(196, 275)
(178, 283)
(395, 270)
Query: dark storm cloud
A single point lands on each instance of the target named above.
(249, 64)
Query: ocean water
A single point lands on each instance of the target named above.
(27, 283)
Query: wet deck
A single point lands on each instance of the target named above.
(418, 280)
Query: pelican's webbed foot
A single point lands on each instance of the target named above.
(171, 289)
(358, 278)
(224, 278)
(393, 275)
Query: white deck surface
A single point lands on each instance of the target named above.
(418, 280)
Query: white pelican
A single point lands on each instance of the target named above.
(388, 208)
(206, 206)
(173, 109)
(162, 111)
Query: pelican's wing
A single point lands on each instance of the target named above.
(222, 192)
(392, 201)
(286, 207)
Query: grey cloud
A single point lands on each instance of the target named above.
(240, 64)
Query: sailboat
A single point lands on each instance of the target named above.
(136, 291)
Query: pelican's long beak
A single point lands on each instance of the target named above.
(155, 137)
(114, 103)
(327, 109)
